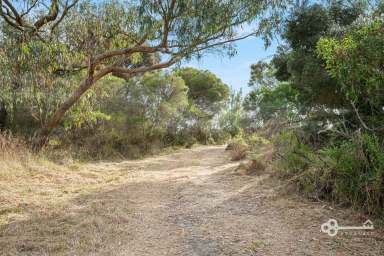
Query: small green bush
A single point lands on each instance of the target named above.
(293, 155)
(254, 140)
(220, 137)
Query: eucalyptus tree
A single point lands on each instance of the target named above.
(91, 41)
(33, 16)
(145, 108)
(232, 115)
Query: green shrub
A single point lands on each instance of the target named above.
(238, 147)
(357, 170)
(349, 173)
(293, 155)
(254, 140)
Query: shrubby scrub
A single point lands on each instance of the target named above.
(325, 91)
(349, 172)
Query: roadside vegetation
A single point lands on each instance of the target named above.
(319, 102)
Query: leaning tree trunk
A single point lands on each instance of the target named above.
(42, 136)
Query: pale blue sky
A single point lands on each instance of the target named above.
(235, 71)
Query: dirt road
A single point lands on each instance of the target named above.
(187, 203)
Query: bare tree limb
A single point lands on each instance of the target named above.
(14, 18)
(67, 7)
(29, 8)
(51, 16)
(359, 117)
(139, 70)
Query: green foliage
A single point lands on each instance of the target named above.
(332, 62)
(205, 90)
(142, 112)
(298, 62)
(238, 147)
(262, 75)
(157, 96)
(207, 95)
(306, 26)
(41, 71)
(237, 140)
(356, 170)
(39, 75)
(254, 140)
(295, 84)
(53, 66)
(280, 63)
(232, 115)
(313, 83)
(322, 97)
(295, 156)
(355, 63)
(347, 172)
(272, 102)
(257, 146)
(142, 116)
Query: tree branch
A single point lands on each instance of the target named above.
(134, 71)
(16, 20)
(51, 16)
(359, 118)
(64, 13)
(17, 17)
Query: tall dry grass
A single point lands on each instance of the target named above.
(42, 202)
(33, 184)
(13, 150)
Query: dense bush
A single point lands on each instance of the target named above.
(355, 169)
(348, 172)
(295, 156)
(323, 93)
(146, 114)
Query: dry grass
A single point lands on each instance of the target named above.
(257, 163)
(36, 192)
(164, 205)
(12, 148)
(79, 208)
(251, 167)
(239, 152)
(36, 184)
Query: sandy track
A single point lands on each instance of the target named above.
(187, 203)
